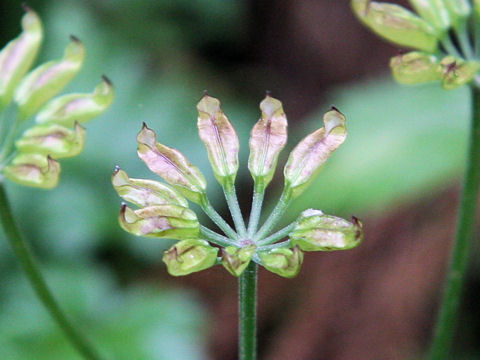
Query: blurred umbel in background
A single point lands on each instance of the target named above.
(397, 171)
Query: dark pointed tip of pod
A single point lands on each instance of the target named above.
(205, 92)
(107, 80)
(144, 125)
(268, 93)
(74, 39)
(116, 169)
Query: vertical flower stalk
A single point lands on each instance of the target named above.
(446, 37)
(161, 211)
(31, 159)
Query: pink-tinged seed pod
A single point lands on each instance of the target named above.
(396, 24)
(316, 231)
(145, 192)
(311, 153)
(52, 139)
(267, 139)
(163, 221)
(220, 139)
(236, 260)
(172, 166)
(67, 109)
(17, 56)
(282, 261)
(34, 170)
(47, 80)
(189, 256)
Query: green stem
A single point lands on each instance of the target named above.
(26, 258)
(280, 234)
(283, 244)
(255, 213)
(464, 42)
(450, 47)
(232, 201)
(217, 219)
(276, 214)
(7, 144)
(446, 322)
(215, 237)
(247, 297)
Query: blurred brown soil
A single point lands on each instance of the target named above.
(375, 302)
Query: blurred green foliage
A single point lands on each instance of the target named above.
(402, 142)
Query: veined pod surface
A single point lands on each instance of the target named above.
(52, 139)
(267, 139)
(282, 261)
(34, 170)
(67, 109)
(17, 56)
(434, 12)
(171, 165)
(220, 139)
(236, 260)
(189, 256)
(164, 221)
(145, 192)
(415, 68)
(311, 153)
(47, 80)
(459, 10)
(396, 24)
(456, 72)
(316, 231)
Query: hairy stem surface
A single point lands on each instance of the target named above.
(247, 297)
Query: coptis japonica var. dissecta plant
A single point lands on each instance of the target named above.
(446, 37)
(161, 210)
(30, 158)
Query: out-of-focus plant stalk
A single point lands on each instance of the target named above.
(26, 258)
(447, 318)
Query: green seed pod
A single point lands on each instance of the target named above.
(34, 170)
(164, 221)
(236, 260)
(434, 12)
(47, 80)
(459, 10)
(18, 55)
(52, 139)
(315, 231)
(67, 109)
(456, 72)
(172, 166)
(311, 153)
(396, 24)
(267, 139)
(145, 192)
(189, 256)
(415, 68)
(282, 261)
(220, 139)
